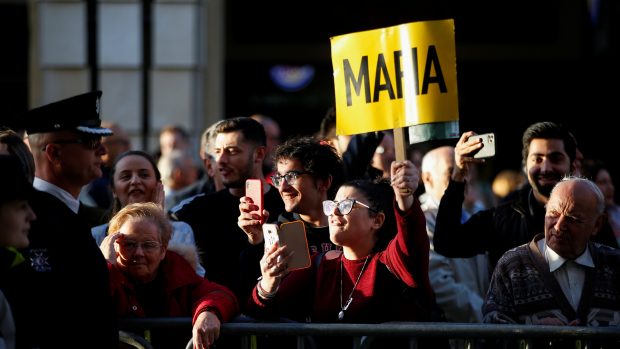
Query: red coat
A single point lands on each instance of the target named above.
(183, 293)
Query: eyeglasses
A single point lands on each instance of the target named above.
(344, 206)
(147, 246)
(290, 178)
(91, 143)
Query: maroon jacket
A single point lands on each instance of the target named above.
(177, 292)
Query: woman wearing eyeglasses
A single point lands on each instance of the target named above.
(362, 283)
(148, 280)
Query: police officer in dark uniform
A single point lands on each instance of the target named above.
(60, 295)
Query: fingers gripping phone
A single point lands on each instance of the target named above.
(293, 235)
(488, 149)
(254, 190)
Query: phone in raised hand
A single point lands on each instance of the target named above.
(254, 190)
(488, 149)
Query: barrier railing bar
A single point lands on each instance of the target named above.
(417, 329)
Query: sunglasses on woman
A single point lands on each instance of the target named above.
(344, 206)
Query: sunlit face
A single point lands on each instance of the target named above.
(139, 250)
(358, 226)
(235, 158)
(80, 162)
(303, 195)
(441, 172)
(606, 185)
(571, 219)
(210, 166)
(547, 162)
(134, 180)
(15, 218)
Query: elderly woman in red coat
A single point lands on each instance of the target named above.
(148, 280)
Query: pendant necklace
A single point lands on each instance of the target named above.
(346, 305)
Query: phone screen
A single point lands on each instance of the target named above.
(270, 234)
(254, 190)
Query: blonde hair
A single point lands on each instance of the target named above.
(143, 211)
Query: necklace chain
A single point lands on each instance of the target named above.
(346, 305)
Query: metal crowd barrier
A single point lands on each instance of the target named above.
(414, 330)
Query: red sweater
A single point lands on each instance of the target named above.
(176, 292)
(393, 287)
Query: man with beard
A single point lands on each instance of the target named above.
(239, 151)
(549, 152)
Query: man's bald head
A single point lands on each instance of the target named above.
(574, 213)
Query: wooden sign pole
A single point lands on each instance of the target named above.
(400, 143)
(400, 148)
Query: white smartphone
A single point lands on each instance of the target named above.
(488, 142)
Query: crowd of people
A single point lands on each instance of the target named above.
(96, 231)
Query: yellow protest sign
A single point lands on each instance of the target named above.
(395, 77)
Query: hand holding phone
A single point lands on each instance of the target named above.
(488, 149)
(254, 190)
(293, 235)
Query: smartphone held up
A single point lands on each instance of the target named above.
(254, 190)
(293, 235)
(488, 145)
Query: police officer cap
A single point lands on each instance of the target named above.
(78, 113)
(14, 184)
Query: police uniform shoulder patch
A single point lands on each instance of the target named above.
(39, 260)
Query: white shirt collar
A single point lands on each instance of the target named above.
(431, 201)
(555, 261)
(59, 193)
